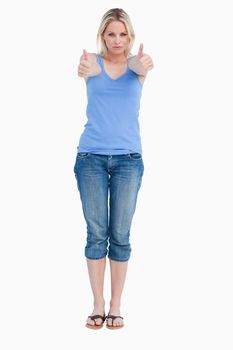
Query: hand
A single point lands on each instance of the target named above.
(88, 65)
(141, 63)
(84, 68)
(144, 59)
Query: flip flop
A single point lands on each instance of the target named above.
(96, 326)
(113, 318)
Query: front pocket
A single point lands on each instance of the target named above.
(135, 156)
(83, 154)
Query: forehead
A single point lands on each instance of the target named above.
(116, 26)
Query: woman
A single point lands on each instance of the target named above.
(109, 158)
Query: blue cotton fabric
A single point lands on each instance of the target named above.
(112, 112)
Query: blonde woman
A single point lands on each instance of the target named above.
(109, 165)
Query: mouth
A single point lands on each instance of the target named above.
(117, 47)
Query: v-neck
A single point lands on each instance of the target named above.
(114, 79)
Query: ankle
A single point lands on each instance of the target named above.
(99, 302)
(115, 304)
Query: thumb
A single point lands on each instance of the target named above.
(140, 51)
(85, 55)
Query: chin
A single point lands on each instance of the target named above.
(115, 50)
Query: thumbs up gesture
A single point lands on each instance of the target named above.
(144, 59)
(88, 65)
(141, 63)
(84, 67)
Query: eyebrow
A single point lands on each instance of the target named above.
(110, 31)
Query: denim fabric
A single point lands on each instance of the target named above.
(108, 186)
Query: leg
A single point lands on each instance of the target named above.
(92, 181)
(124, 186)
(118, 275)
(96, 270)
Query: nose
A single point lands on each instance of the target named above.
(117, 40)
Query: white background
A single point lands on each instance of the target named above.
(178, 291)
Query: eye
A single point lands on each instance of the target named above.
(111, 34)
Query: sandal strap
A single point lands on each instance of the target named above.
(94, 317)
(113, 317)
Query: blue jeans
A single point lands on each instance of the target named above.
(108, 235)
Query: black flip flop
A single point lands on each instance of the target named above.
(96, 326)
(113, 317)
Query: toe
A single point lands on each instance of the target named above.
(110, 322)
(117, 322)
(98, 321)
(90, 321)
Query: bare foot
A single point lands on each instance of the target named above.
(97, 311)
(115, 311)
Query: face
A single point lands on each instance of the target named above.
(116, 37)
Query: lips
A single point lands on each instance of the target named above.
(117, 47)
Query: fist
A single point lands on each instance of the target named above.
(88, 65)
(85, 65)
(144, 59)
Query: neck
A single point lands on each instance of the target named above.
(116, 58)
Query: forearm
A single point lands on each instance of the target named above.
(95, 70)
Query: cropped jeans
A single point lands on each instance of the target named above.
(108, 187)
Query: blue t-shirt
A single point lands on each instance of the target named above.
(112, 114)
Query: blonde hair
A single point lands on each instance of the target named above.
(115, 14)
